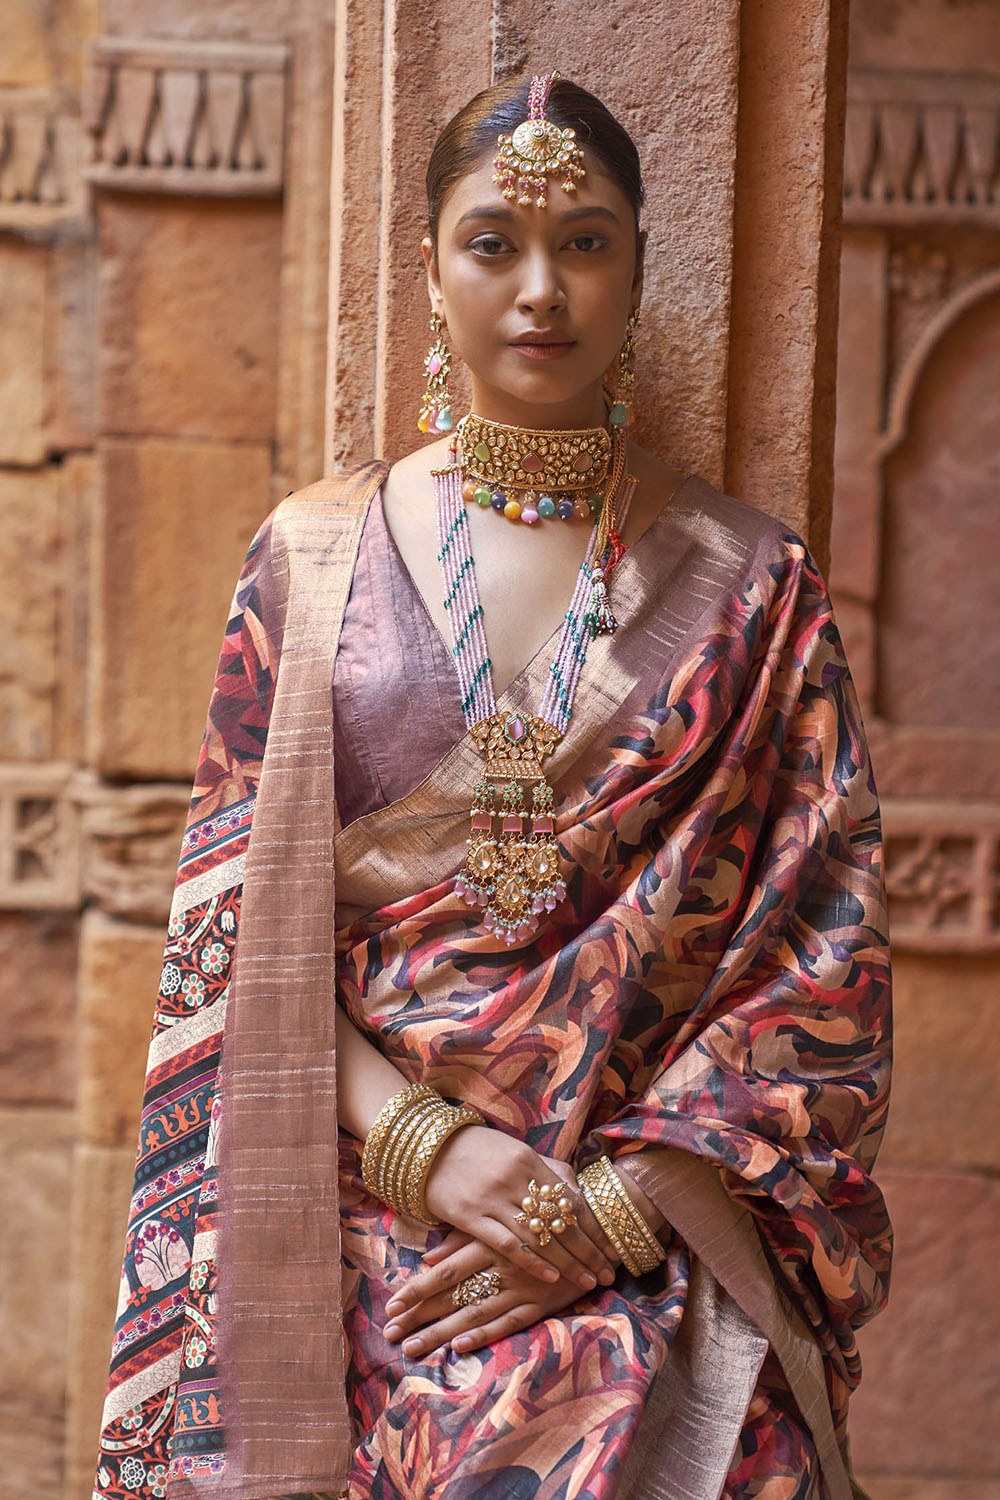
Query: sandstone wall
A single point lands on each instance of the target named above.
(206, 297)
(916, 535)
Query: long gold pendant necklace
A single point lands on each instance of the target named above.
(513, 871)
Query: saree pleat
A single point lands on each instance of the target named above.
(710, 1004)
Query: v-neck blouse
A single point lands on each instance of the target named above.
(396, 705)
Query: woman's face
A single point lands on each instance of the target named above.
(569, 270)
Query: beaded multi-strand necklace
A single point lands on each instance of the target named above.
(512, 869)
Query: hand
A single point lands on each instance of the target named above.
(477, 1183)
(424, 1316)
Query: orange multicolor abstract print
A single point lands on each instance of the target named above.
(716, 983)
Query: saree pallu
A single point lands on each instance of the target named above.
(711, 1001)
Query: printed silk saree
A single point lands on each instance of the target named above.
(712, 1000)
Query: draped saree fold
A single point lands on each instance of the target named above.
(711, 1000)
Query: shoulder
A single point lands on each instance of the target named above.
(326, 505)
(725, 522)
(343, 487)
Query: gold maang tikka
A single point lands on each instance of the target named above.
(537, 149)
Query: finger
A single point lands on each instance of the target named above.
(465, 1320)
(422, 1285)
(453, 1240)
(586, 1241)
(590, 1247)
(430, 1310)
(547, 1263)
(595, 1232)
(568, 1249)
(500, 1325)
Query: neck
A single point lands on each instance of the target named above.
(586, 409)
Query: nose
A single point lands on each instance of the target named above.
(540, 290)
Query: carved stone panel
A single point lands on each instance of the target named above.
(943, 863)
(921, 145)
(40, 147)
(132, 840)
(186, 117)
(39, 838)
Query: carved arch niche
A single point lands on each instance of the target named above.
(916, 554)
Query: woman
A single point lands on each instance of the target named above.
(568, 1193)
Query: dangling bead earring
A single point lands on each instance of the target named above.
(621, 412)
(435, 410)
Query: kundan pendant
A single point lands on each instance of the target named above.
(512, 870)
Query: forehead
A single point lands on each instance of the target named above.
(477, 190)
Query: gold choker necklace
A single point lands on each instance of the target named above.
(529, 474)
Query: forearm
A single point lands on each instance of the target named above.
(365, 1078)
(652, 1215)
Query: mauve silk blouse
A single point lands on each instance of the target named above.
(396, 705)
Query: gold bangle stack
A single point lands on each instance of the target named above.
(406, 1135)
(619, 1218)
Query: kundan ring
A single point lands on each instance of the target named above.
(546, 1210)
(476, 1288)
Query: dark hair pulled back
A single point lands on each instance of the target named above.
(471, 136)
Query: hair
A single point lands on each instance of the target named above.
(471, 135)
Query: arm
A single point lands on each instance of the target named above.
(366, 1079)
(477, 1179)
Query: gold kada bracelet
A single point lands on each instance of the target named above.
(618, 1216)
(402, 1144)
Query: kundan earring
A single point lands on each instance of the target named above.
(435, 409)
(621, 412)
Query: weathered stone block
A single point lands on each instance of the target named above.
(36, 1257)
(178, 518)
(71, 421)
(23, 276)
(132, 837)
(946, 1045)
(25, 43)
(189, 316)
(31, 565)
(931, 1375)
(78, 478)
(119, 971)
(857, 630)
(909, 1487)
(38, 958)
(39, 846)
(102, 1181)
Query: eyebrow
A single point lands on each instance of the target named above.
(585, 211)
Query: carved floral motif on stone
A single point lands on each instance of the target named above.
(918, 272)
(943, 880)
(189, 117)
(921, 146)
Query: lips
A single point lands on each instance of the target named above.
(541, 345)
(542, 337)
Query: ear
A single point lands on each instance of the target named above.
(640, 263)
(433, 283)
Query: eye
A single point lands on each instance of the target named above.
(589, 241)
(483, 243)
